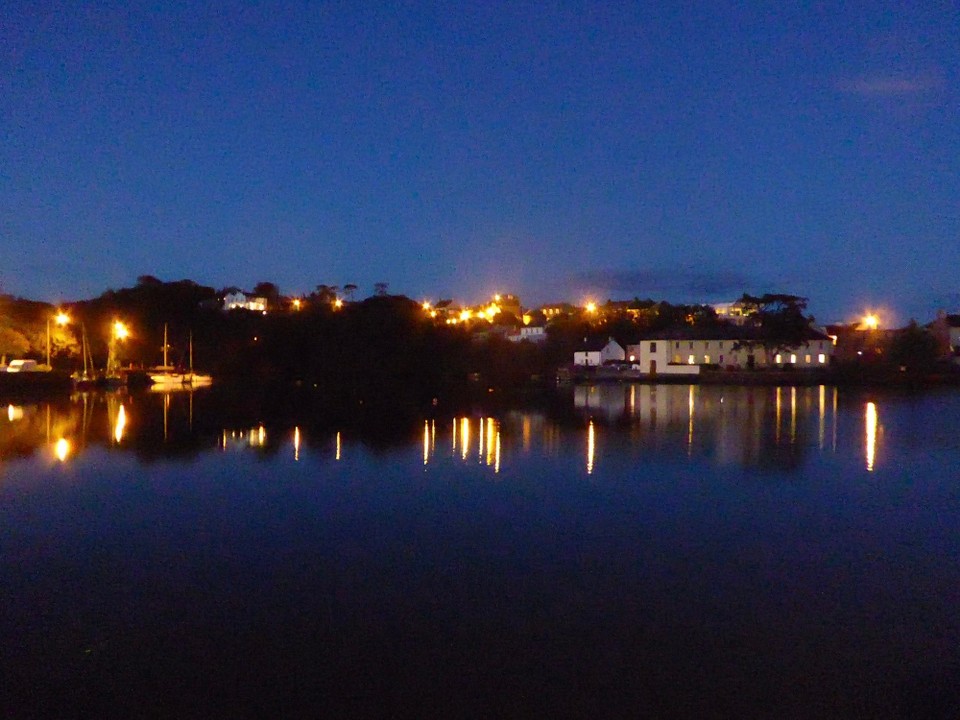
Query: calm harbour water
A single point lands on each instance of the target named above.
(614, 551)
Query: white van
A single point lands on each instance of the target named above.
(23, 366)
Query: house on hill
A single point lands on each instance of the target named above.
(530, 333)
(946, 329)
(597, 352)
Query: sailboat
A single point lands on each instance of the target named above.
(88, 378)
(166, 374)
(195, 377)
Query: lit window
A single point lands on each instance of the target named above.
(706, 359)
(807, 359)
(821, 358)
(793, 359)
(691, 360)
(676, 359)
(778, 359)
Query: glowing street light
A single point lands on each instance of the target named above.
(337, 304)
(871, 321)
(61, 318)
(118, 332)
(296, 304)
(426, 305)
(591, 307)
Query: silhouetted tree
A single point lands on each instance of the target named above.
(380, 289)
(267, 290)
(914, 349)
(777, 321)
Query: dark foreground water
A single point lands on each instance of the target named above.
(610, 552)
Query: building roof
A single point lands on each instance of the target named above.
(721, 332)
(596, 344)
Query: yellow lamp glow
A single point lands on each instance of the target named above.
(62, 318)
(120, 331)
(62, 449)
(338, 303)
(591, 307)
(871, 321)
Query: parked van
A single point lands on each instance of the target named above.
(23, 366)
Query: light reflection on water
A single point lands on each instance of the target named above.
(623, 524)
(751, 426)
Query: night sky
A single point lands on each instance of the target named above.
(686, 152)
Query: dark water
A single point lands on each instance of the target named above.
(647, 551)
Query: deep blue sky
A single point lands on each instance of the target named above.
(689, 152)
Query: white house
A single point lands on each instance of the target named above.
(685, 351)
(597, 353)
(242, 301)
(530, 333)
(732, 312)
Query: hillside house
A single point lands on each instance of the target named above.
(598, 352)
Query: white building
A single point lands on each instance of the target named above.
(732, 312)
(597, 353)
(530, 333)
(685, 351)
(242, 301)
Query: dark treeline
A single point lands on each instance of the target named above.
(383, 345)
(362, 348)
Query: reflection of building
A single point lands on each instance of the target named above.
(749, 426)
(608, 401)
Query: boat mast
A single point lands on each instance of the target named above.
(83, 350)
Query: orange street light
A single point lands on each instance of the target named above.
(871, 321)
(61, 318)
(591, 307)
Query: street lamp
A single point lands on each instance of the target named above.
(119, 332)
(61, 318)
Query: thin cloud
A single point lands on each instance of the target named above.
(888, 86)
(682, 283)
